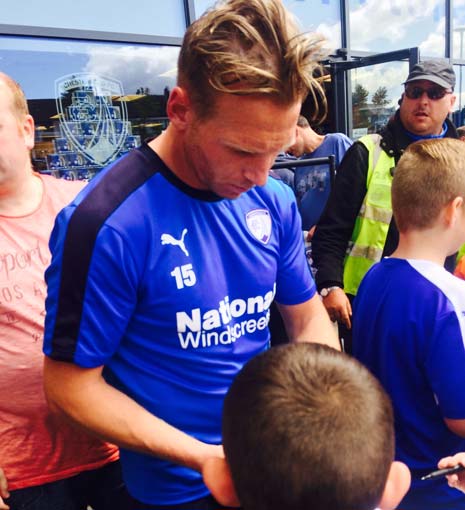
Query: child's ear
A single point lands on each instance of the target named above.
(217, 477)
(454, 210)
(397, 485)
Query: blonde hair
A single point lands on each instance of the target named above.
(429, 175)
(248, 47)
(19, 104)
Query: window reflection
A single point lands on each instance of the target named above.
(459, 113)
(375, 94)
(201, 6)
(404, 25)
(322, 16)
(161, 18)
(92, 102)
(458, 28)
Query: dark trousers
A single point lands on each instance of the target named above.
(207, 503)
(345, 335)
(102, 489)
(278, 334)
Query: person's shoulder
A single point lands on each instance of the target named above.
(340, 139)
(61, 190)
(355, 161)
(387, 269)
(452, 287)
(51, 181)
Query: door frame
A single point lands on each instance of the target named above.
(341, 64)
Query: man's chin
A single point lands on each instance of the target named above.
(231, 192)
(422, 129)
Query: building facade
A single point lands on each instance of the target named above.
(97, 75)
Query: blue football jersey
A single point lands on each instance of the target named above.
(409, 330)
(169, 288)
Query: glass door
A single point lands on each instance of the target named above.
(366, 90)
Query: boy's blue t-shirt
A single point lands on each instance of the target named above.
(409, 330)
(169, 288)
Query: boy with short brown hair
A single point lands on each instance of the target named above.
(307, 427)
(409, 327)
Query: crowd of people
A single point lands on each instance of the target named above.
(134, 340)
(356, 229)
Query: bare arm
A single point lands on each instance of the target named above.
(456, 426)
(84, 397)
(3, 490)
(309, 322)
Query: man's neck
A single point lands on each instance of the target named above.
(312, 142)
(21, 197)
(170, 149)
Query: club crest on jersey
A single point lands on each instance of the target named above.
(259, 224)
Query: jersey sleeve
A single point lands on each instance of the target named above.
(91, 293)
(445, 362)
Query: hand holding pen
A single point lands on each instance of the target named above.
(456, 477)
(443, 472)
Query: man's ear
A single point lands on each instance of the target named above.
(453, 97)
(217, 477)
(179, 107)
(397, 485)
(28, 130)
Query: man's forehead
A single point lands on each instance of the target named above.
(6, 97)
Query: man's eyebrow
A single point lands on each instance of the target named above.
(237, 146)
(240, 148)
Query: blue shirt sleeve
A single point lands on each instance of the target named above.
(445, 365)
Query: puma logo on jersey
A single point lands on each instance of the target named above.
(169, 239)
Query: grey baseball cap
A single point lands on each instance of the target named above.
(437, 71)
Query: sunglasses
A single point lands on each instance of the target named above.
(433, 93)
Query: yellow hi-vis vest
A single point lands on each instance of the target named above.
(372, 223)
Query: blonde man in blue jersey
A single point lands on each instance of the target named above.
(164, 271)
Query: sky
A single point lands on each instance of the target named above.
(152, 17)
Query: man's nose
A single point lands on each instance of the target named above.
(258, 171)
(424, 97)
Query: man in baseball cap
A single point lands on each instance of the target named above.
(356, 229)
(439, 72)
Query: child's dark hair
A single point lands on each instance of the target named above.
(307, 427)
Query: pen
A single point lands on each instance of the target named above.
(443, 472)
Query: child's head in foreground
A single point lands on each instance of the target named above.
(307, 427)
(428, 187)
